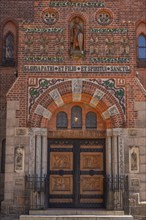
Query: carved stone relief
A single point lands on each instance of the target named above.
(77, 86)
(29, 43)
(124, 46)
(98, 95)
(40, 110)
(43, 42)
(109, 46)
(50, 16)
(94, 45)
(113, 110)
(57, 97)
(59, 46)
(103, 17)
(19, 159)
(21, 131)
(133, 159)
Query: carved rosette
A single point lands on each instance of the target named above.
(50, 16)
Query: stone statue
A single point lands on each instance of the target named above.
(77, 36)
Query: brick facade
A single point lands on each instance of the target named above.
(49, 75)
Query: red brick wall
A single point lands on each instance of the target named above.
(126, 14)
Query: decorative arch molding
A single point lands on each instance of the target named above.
(50, 94)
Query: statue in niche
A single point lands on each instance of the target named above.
(77, 36)
(109, 47)
(134, 161)
(124, 46)
(19, 157)
(9, 47)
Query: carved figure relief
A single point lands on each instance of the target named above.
(109, 46)
(94, 46)
(61, 160)
(61, 183)
(29, 43)
(91, 161)
(43, 41)
(124, 46)
(50, 16)
(134, 159)
(19, 159)
(91, 184)
(77, 36)
(59, 46)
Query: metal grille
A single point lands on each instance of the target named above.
(116, 192)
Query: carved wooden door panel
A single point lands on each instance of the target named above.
(91, 174)
(60, 174)
(76, 173)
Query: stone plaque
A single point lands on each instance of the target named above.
(113, 110)
(134, 182)
(19, 159)
(98, 95)
(77, 89)
(21, 131)
(57, 97)
(40, 110)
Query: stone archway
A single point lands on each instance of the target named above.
(101, 95)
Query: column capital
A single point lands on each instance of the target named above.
(116, 131)
(38, 131)
(109, 132)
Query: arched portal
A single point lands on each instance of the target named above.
(82, 121)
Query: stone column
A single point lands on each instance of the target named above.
(108, 152)
(38, 156)
(44, 156)
(109, 194)
(114, 153)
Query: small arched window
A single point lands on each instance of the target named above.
(76, 117)
(8, 50)
(142, 50)
(91, 120)
(3, 156)
(61, 120)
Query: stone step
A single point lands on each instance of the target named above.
(76, 217)
(75, 212)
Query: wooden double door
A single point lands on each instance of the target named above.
(76, 173)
